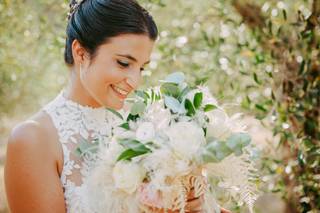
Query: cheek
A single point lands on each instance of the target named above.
(106, 75)
(113, 76)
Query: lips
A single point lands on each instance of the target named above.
(120, 92)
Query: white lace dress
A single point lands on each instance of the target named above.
(77, 125)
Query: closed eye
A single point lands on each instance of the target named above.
(123, 64)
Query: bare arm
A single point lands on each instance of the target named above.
(31, 175)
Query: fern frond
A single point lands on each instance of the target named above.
(238, 175)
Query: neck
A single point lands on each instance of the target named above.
(76, 92)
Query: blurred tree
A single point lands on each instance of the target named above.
(294, 45)
(31, 47)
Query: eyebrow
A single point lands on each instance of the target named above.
(131, 58)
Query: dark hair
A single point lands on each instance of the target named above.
(93, 22)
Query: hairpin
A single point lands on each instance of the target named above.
(74, 7)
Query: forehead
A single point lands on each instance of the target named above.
(138, 46)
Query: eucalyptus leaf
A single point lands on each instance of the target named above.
(176, 78)
(183, 93)
(170, 89)
(173, 104)
(215, 151)
(142, 94)
(84, 146)
(138, 108)
(236, 142)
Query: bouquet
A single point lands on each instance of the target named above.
(175, 139)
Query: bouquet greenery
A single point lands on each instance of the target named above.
(174, 140)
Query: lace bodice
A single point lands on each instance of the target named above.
(78, 125)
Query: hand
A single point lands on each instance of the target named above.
(224, 210)
(194, 204)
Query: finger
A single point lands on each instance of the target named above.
(225, 210)
(192, 196)
(194, 205)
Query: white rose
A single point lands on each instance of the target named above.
(145, 132)
(127, 176)
(111, 153)
(182, 167)
(158, 115)
(219, 124)
(186, 138)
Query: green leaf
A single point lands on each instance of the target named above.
(142, 94)
(115, 112)
(237, 142)
(302, 66)
(284, 13)
(197, 100)
(189, 107)
(132, 117)
(84, 146)
(215, 151)
(259, 58)
(125, 126)
(176, 78)
(170, 89)
(134, 149)
(261, 107)
(184, 93)
(173, 104)
(134, 145)
(129, 154)
(138, 108)
(255, 77)
(209, 107)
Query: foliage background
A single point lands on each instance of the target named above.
(260, 57)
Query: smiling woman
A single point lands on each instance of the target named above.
(115, 70)
(108, 42)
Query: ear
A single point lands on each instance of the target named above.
(78, 52)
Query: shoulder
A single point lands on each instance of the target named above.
(35, 136)
(31, 131)
(32, 169)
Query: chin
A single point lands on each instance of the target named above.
(115, 106)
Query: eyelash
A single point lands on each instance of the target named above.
(126, 65)
(123, 64)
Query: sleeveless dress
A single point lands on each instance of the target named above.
(77, 125)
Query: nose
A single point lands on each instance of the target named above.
(133, 79)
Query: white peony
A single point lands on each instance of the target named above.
(110, 154)
(127, 176)
(145, 132)
(219, 124)
(186, 138)
(158, 115)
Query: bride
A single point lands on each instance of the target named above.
(107, 46)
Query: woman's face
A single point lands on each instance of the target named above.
(115, 70)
